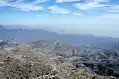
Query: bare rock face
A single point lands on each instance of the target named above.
(17, 67)
(21, 67)
(23, 62)
(2, 75)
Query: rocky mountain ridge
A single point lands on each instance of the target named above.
(101, 61)
(27, 61)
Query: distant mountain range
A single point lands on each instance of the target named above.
(27, 35)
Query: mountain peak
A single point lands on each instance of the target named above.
(1, 27)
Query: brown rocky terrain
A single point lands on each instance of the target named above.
(27, 62)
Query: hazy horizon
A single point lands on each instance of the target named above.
(51, 28)
(96, 17)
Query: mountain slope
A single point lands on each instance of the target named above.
(26, 35)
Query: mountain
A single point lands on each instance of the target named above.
(23, 35)
(27, 35)
(61, 56)
(100, 61)
(49, 58)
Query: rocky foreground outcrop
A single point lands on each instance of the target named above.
(23, 62)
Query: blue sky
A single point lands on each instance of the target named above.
(98, 17)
